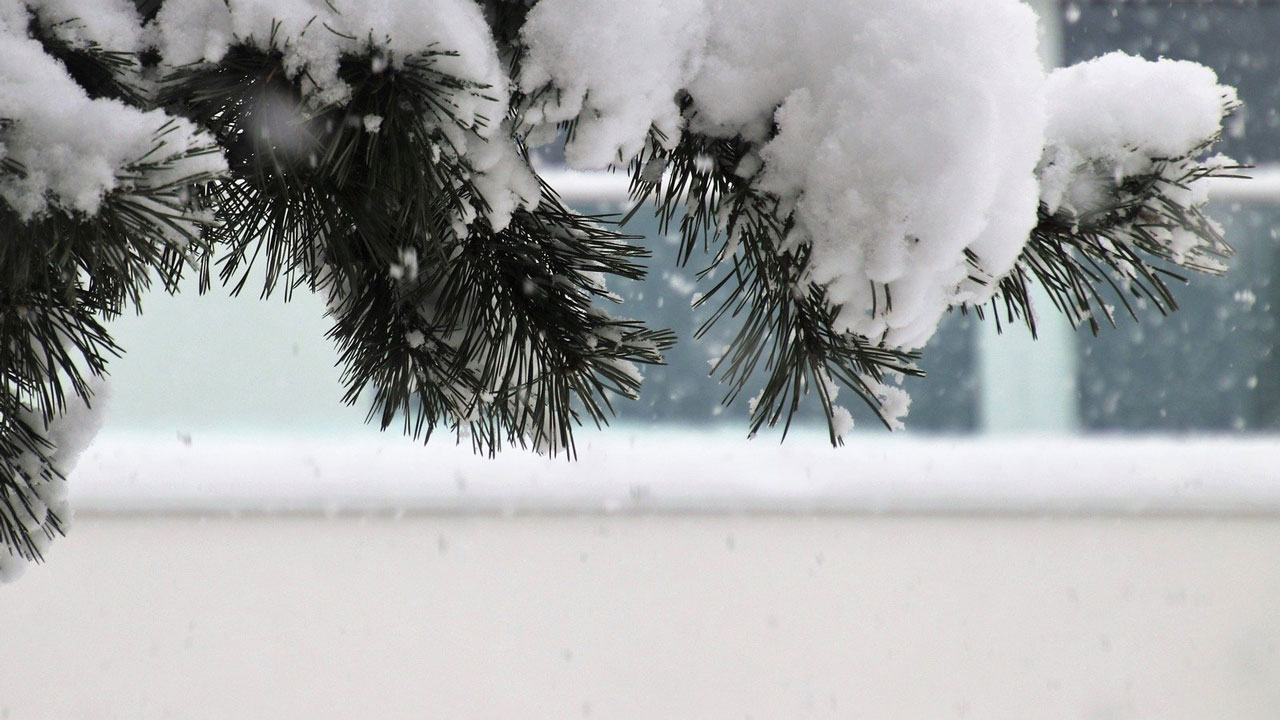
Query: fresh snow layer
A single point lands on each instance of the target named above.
(1116, 116)
(1119, 116)
(615, 67)
(73, 149)
(1125, 110)
(314, 35)
(110, 24)
(906, 132)
(908, 136)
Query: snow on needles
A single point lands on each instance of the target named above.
(314, 35)
(69, 435)
(65, 152)
(909, 135)
(1124, 113)
(73, 149)
(901, 136)
(110, 24)
(909, 142)
(618, 78)
(1118, 117)
(907, 131)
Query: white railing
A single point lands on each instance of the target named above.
(672, 471)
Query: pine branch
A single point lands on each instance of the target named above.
(301, 175)
(26, 522)
(64, 276)
(1151, 227)
(503, 339)
(440, 320)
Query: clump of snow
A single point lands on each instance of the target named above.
(69, 435)
(895, 403)
(906, 136)
(615, 67)
(502, 177)
(314, 35)
(1120, 116)
(111, 24)
(841, 421)
(73, 149)
(901, 134)
(1125, 112)
(407, 268)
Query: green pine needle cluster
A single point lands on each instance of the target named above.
(493, 334)
(1119, 255)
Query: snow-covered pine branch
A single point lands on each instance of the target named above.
(901, 154)
(94, 204)
(854, 170)
(1122, 191)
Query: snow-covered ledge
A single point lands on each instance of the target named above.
(669, 471)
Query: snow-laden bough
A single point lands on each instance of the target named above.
(904, 136)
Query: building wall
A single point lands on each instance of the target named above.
(660, 616)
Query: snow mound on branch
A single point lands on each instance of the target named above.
(618, 78)
(1122, 114)
(314, 35)
(904, 134)
(71, 149)
(502, 178)
(907, 136)
(111, 24)
(1125, 109)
